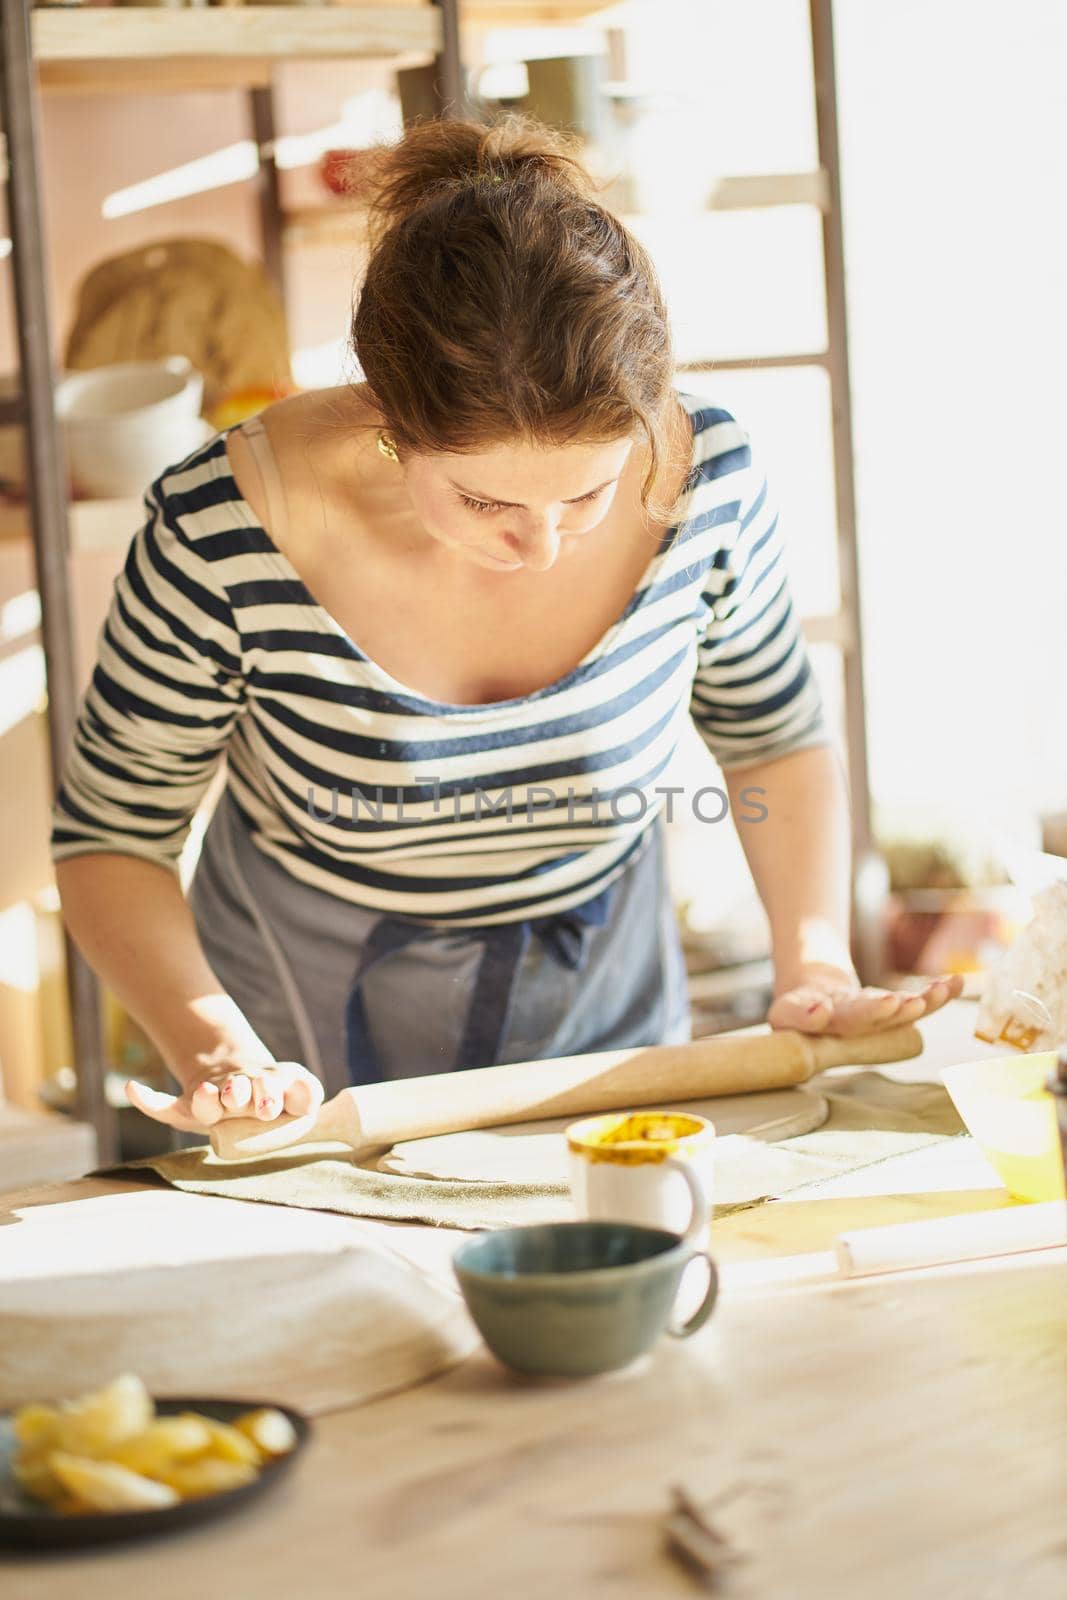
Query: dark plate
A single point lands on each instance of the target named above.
(26, 1523)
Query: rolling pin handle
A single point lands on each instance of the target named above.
(869, 1050)
(242, 1138)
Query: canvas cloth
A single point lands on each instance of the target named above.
(872, 1118)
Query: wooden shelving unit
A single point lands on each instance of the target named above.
(155, 51)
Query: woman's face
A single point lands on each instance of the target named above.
(515, 506)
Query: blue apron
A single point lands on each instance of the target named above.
(357, 996)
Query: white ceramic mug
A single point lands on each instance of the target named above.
(648, 1167)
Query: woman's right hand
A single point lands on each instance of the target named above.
(259, 1089)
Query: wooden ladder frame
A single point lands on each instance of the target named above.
(34, 409)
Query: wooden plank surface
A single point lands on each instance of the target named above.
(898, 1437)
(884, 1440)
(162, 48)
(757, 190)
(283, 32)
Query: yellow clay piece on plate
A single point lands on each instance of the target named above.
(106, 1486)
(108, 1451)
(34, 1474)
(208, 1475)
(36, 1426)
(163, 1442)
(94, 1425)
(228, 1444)
(270, 1431)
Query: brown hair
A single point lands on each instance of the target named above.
(502, 301)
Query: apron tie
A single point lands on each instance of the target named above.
(566, 934)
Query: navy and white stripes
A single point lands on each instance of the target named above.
(362, 788)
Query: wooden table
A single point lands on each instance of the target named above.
(903, 1436)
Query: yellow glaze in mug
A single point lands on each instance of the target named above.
(633, 1138)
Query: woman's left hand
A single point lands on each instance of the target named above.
(822, 999)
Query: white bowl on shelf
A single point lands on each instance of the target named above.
(125, 423)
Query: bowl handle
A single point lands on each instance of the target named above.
(682, 1330)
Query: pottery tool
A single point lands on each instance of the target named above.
(972, 1237)
(376, 1115)
(697, 1542)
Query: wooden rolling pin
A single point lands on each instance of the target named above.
(974, 1236)
(376, 1114)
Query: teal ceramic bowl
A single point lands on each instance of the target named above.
(570, 1299)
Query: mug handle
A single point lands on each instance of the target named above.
(695, 1232)
(682, 1330)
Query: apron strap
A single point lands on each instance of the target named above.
(566, 935)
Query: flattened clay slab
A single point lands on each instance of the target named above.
(536, 1153)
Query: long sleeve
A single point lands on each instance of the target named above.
(755, 695)
(164, 697)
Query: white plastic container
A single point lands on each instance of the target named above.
(125, 423)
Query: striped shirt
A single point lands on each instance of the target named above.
(357, 785)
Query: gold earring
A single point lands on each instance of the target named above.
(387, 445)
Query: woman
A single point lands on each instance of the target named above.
(445, 625)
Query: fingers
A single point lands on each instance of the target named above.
(296, 1090)
(304, 1094)
(805, 1010)
(920, 1003)
(288, 1087)
(869, 1011)
(201, 1111)
(811, 1009)
(204, 1104)
(942, 990)
(911, 1008)
(160, 1107)
(264, 1094)
(267, 1098)
(235, 1092)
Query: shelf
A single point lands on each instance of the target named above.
(339, 223)
(813, 358)
(331, 223)
(156, 48)
(758, 190)
(836, 628)
(529, 13)
(43, 1148)
(95, 525)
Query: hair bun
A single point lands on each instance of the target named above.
(501, 301)
(443, 155)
